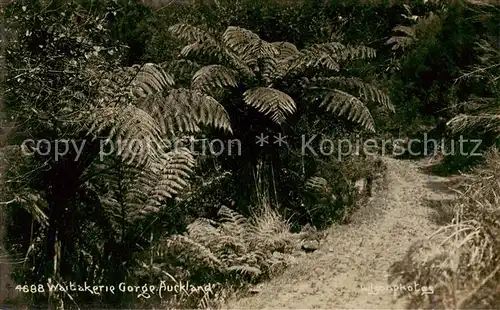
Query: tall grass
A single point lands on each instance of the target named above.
(461, 260)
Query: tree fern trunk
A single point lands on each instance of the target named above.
(62, 184)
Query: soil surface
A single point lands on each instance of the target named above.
(350, 270)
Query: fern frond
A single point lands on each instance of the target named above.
(201, 48)
(339, 51)
(122, 193)
(227, 215)
(172, 170)
(268, 67)
(341, 103)
(245, 269)
(213, 76)
(151, 79)
(125, 124)
(298, 63)
(128, 193)
(134, 130)
(237, 63)
(409, 31)
(234, 229)
(183, 109)
(400, 42)
(321, 56)
(190, 33)
(182, 67)
(486, 122)
(270, 101)
(239, 39)
(233, 245)
(193, 252)
(366, 91)
(285, 49)
(247, 45)
(198, 40)
(201, 228)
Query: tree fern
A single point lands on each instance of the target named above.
(244, 55)
(129, 193)
(146, 132)
(158, 114)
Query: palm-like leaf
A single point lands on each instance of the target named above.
(297, 63)
(190, 33)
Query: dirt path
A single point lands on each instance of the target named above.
(357, 256)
